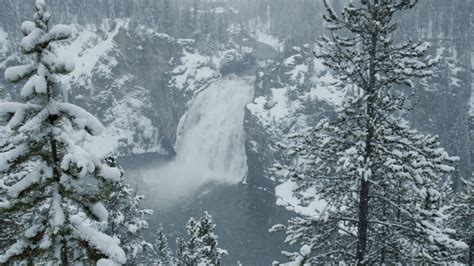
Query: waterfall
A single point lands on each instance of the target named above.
(212, 136)
(210, 144)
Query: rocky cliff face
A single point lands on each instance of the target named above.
(121, 77)
(292, 92)
(135, 79)
(139, 80)
(442, 105)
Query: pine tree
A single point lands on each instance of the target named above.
(209, 252)
(187, 26)
(163, 252)
(187, 251)
(301, 258)
(168, 17)
(48, 181)
(195, 17)
(462, 216)
(9, 227)
(127, 220)
(202, 246)
(376, 177)
(181, 251)
(10, 224)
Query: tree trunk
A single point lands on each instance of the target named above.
(364, 190)
(55, 163)
(471, 255)
(57, 176)
(362, 227)
(382, 257)
(64, 255)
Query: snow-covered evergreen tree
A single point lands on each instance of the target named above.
(181, 251)
(462, 216)
(127, 220)
(163, 252)
(376, 178)
(9, 227)
(298, 258)
(209, 252)
(202, 246)
(187, 251)
(48, 180)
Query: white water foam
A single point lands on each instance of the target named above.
(210, 145)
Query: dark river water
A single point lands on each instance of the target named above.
(242, 213)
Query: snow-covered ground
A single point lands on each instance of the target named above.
(125, 119)
(323, 90)
(95, 53)
(269, 39)
(87, 48)
(193, 72)
(271, 109)
(285, 198)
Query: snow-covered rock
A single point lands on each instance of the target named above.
(291, 93)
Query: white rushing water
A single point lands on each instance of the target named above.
(210, 144)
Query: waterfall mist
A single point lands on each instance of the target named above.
(210, 146)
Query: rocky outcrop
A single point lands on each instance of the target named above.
(441, 105)
(292, 92)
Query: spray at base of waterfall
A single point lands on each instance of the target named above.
(211, 147)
